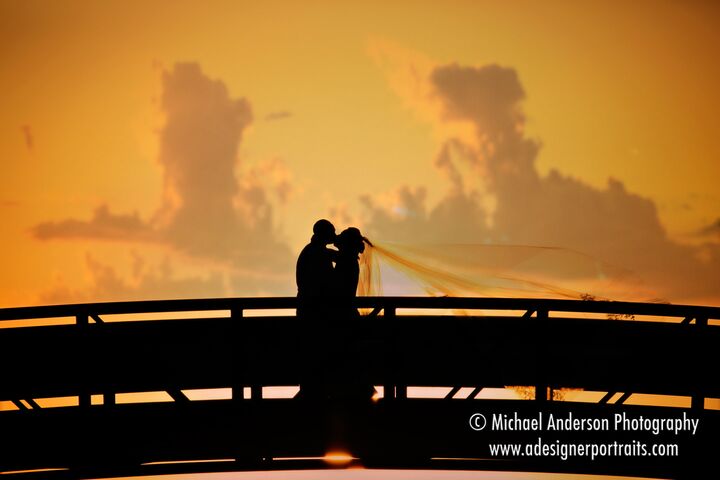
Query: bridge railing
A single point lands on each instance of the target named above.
(537, 306)
(495, 342)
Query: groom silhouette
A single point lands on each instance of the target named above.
(314, 272)
(314, 276)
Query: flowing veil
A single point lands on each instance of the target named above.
(486, 270)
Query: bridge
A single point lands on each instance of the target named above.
(70, 374)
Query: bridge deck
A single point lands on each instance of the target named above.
(493, 343)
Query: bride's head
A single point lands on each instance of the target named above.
(351, 240)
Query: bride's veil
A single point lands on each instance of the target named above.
(487, 270)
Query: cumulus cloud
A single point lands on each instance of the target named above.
(488, 96)
(556, 210)
(205, 212)
(270, 176)
(458, 217)
(210, 208)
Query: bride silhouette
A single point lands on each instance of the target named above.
(350, 244)
(348, 328)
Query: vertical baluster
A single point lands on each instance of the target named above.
(541, 389)
(236, 317)
(81, 320)
(698, 400)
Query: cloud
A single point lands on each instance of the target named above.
(712, 230)
(198, 152)
(496, 194)
(269, 176)
(210, 208)
(147, 281)
(407, 72)
(489, 96)
(279, 115)
(106, 284)
(406, 218)
(104, 225)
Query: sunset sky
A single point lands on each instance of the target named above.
(157, 149)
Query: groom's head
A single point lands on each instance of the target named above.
(324, 231)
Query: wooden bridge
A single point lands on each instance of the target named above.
(94, 357)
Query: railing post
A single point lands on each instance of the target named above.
(81, 320)
(255, 392)
(241, 360)
(697, 401)
(393, 388)
(541, 389)
(236, 316)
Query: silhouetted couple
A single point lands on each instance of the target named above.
(326, 295)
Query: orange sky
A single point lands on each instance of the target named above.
(348, 109)
(342, 106)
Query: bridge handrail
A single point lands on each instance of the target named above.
(386, 303)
